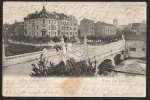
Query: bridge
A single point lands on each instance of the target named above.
(108, 53)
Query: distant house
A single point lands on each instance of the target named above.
(87, 27)
(136, 46)
(79, 31)
(139, 28)
(8, 29)
(18, 28)
(103, 29)
(42, 23)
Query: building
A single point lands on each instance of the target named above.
(44, 23)
(79, 31)
(139, 28)
(115, 22)
(8, 29)
(18, 28)
(136, 46)
(87, 27)
(102, 29)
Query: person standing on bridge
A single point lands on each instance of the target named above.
(57, 50)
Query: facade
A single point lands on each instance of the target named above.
(18, 28)
(8, 29)
(87, 27)
(136, 46)
(102, 29)
(50, 23)
(115, 22)
(139, 28)
(15, 28)
(79, 31)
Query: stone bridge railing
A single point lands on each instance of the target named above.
(34, 44)
(104, 55)
(22, 58)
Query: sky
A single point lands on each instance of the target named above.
(124, 12)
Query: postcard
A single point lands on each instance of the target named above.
(74, 49)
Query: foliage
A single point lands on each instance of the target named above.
(22, 49)
(73, 69)
(65, 38)
(127, 31)
(30, 39)
(56, 39)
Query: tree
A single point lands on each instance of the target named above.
(48, 38)
(127, 31)
(118, 31)
(65, 38)
(56, 39)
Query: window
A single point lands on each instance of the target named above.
(37, 33)
(49, 27)
(49, 33)
(37, 26)
(70, 33)
(52, 27)
(74, 28)
(49, 21)
(143, 49)
(132, 49)
(55, 33)
(70, 28)
(43, 21)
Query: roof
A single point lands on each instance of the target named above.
(45, 14)
(105, 23)
(135, 25)
(88, 20)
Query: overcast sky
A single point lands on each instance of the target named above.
(125, 12)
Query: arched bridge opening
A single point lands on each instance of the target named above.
(117, 59)
(105, 67)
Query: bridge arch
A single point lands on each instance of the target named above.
(105, 65)
(117, 59)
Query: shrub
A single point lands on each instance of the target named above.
(71, 69)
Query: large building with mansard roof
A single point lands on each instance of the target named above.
(44, 23)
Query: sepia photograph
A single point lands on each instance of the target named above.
(75, 49)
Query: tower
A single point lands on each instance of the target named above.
(115, 22)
